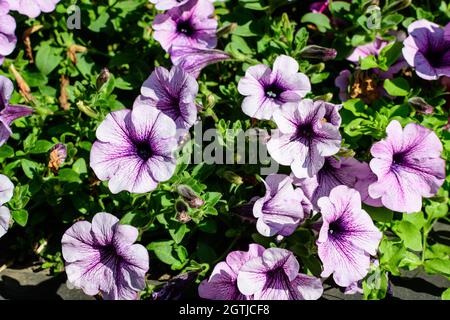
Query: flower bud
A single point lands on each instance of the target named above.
(421, 105)
(190, 196)
(103, 78)
(232, 177)
(58, 155)
(318, 52)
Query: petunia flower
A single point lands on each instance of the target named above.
(222, 284)
(304, 137)
(275, 276)
(408, 166)
(336, 172)
(101, 257)
(188, 25)
(32, 8)
(193, 60)
(265, 90)
(427, 49)
(347, 237)
(8, 112)
(282, 208)
(8, 39)
(135, 149)
(173, 93)
(6, 193)
(168, 4)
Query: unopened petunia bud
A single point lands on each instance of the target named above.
(103, 78)
(318, 52)
(190, 196)
(326, 97)
(233, 177)
(58, 155)
(182, 211)
(396, 6)
(421, 105)
(226, 29)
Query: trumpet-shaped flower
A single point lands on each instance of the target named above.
(408, 166)
(190, 24)
(347, 237)
(101, 257)
(173, 93)
(282, 208)
(265, 90)
(304, 137)
(135, 149)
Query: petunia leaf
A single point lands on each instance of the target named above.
(410, 234)
(397, 87)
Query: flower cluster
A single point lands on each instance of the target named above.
(260, 274)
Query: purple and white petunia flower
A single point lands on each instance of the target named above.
(8, 38)
(347, 237)
(265, 90)
(168, 4)
(32, 8)
(101, 257)
(282, 208)
(8, 112)
(336, 172)
(193, 60)
(408, 166)
(304, 137)
(135, 149)
(6, 193)
(173, 93)
(427, 49)
(222, 284)
(275, 276)
(188, 25)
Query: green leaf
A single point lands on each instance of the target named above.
(80, 166)
(410, 234)
(20, 216)
(41, 146)
(321, 21)
(446, 294)
(438, 266)
(379, 214)
(163, 251)
(100, 23)
(437, 210)
(68, 175)
(178, 231)
(47, 58)
(369, 62)
(29, 167)
(397, 87)
(6, 151)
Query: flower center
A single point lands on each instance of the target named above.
(398, 158)
(305, 132)
(335, 228)
(185, 28)
(273, 91)
(144, 150)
